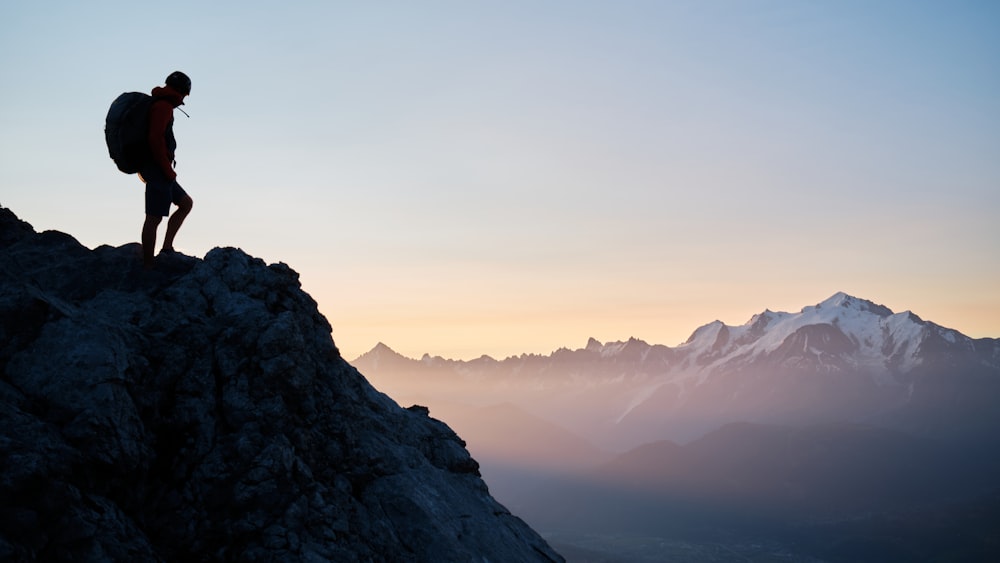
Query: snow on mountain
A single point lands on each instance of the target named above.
(844, 358)
(879, 337)
(841, 334)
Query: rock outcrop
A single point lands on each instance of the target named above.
(201, 412)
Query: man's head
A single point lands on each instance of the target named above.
(180, 82)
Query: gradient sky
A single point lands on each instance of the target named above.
(466, 178)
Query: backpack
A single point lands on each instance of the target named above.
(126, 129)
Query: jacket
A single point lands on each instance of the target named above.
(162, 143)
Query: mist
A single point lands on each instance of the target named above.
(810, 449)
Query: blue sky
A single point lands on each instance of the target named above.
(463, 178)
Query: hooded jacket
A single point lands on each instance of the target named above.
(162, 143)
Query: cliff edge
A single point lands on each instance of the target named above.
(201, 412)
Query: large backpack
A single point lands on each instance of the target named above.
(126, 130)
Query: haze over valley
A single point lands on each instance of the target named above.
(619, 230)
(782, 432)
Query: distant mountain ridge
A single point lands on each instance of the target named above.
(888, 340)
(844, 359)
(825, 433)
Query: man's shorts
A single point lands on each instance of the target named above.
(161, 192)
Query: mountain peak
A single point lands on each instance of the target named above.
(203, 409)
(844, 301)
(709, 331)
(839, 299)
(382, 350)
(382, 355)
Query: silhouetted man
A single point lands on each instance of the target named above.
(158, 173)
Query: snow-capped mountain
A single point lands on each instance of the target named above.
(842, 410)
(844, 359)
(862, 334)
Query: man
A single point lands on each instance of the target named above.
(158, 173)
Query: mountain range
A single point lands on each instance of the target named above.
(844, 359)
(842, 432)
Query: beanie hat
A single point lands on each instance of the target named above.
(180, 82)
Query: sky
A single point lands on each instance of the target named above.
(463, 178)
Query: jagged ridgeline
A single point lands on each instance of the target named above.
(201, 412)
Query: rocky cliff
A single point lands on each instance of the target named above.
(201, 412)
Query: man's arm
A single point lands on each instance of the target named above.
(160, 115)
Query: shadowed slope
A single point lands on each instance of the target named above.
(202, 412)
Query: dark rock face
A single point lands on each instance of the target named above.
(201, 412)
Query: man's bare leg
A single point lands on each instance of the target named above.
(149, 239)
(175, 222)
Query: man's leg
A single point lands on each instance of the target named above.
(176, 220)
(149, 239)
